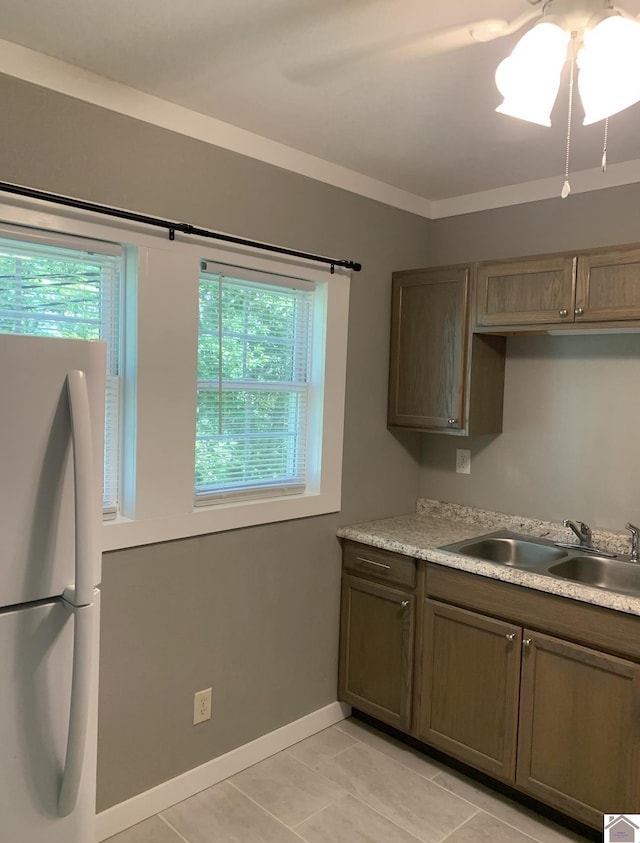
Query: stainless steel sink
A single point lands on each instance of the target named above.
(510, 549)
(543, 557)
(599, 571)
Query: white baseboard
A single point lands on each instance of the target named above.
(151, 802)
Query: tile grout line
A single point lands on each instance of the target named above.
(328, 758)
(262, 808)
(401, 763)
(375, 811)
(319, 811)
(499, 818)
(458, 827)
(175, 830)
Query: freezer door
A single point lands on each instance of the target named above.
(37, 505)
(36, 646)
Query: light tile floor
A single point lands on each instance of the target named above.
(348, 784)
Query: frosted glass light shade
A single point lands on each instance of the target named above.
(529, 78)
(609, 65)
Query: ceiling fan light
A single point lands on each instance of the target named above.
(515, 108)
(609, 65)
(545, 37)
(529, 78)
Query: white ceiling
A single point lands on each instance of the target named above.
(424, 126)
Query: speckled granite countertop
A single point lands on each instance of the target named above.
(436, 523)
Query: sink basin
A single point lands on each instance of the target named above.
(510, 549)
(601, 572)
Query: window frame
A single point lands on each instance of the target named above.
(78, 248)
(160, 376)
(239, 278)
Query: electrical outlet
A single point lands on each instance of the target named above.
(463, 461)
(201, 706)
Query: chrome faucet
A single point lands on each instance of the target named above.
(635, 541)
(582, 531)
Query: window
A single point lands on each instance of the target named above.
(266, 428)
(72, 291)
(254, 373)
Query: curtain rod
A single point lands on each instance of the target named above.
(172, 227)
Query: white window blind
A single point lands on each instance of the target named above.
(72, 291)
(254, 358)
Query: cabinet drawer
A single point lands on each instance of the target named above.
(379, 564)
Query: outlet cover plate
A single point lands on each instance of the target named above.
(463, 461)
(201, 706)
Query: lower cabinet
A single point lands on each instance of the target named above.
(579, 742)
(558, 720)
(470, 687)
(538, 691)
(378, 613)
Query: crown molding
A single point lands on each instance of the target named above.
(54, 74)
(582, 181)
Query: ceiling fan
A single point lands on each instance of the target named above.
(600, 40)
(603, 39)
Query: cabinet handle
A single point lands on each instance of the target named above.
(510, 636)
(405, 603)
(579, 311)
(452, 421)
(564, 312)
(527, 642)
(371, 562)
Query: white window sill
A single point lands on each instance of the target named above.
(126, 532)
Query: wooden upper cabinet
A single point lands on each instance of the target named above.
(602, 286)
(608, 286)
(428, 343)
(442, 378)
(526, 292)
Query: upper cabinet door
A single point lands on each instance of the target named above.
(608, 286)
(428, 348)
(534, 291)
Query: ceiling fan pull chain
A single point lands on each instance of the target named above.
(566, 187)
(604, 149)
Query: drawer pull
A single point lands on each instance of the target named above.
(371, 562)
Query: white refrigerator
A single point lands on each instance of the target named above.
(51, 466)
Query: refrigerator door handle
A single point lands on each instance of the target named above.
(85, 492)
(79, 707)
(78, 598)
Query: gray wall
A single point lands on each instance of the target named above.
(254, 613)
(569, 446)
